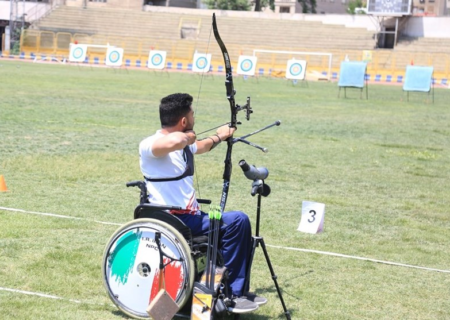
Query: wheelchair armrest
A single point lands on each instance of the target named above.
(147, 207)
(160, 207)
(204, 201)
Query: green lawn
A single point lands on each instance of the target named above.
(69, 140)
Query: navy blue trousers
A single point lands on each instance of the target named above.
(235, 243)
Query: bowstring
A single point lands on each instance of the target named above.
(197, 108)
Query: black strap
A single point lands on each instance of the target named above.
(189, 171)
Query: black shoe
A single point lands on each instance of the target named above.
(260, 301)
(242, 305)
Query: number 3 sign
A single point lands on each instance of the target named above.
(313, 215)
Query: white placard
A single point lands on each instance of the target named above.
(77, 52)
(114, 57)
(202, 62)
(157, 59)
(313, 216)
(296, 69)
(247, 65)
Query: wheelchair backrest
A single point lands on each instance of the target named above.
(157, 212)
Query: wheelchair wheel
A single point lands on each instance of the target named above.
(130, 266)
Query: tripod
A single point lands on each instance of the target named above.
(262, 189)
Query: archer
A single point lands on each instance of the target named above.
(167, 163)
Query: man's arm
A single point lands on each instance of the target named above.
(173, 141)
(222, 134)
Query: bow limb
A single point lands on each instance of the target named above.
(228, 74)
(230, 96)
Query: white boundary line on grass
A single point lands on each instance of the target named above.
(49, 296)
(272, 246)
(59, 216)
(358, 258)
(42, 295)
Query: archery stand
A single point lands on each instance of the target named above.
(262, 189)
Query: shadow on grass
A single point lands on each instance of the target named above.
(247, 316)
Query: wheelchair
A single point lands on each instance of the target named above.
(131, 259)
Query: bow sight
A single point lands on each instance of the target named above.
(248, 109)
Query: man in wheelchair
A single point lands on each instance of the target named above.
(167, 163)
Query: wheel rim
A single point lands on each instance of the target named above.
(131, 266)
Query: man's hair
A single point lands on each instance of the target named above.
(173, 108)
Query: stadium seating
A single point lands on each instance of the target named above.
(183, 33)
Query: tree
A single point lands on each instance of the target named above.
(308, 6)
(237, 5)
(259, 4)
(352, 5)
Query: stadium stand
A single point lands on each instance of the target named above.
(181, 34)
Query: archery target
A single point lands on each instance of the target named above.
(296, 69)
(157, 59)
(202, 62)
(77, 52)
(247, 65)
(114, 57)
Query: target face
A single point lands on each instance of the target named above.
(201, 63)
(156, 59)
(77, 53)
(296, 69)
(114, 57)
(247, 65)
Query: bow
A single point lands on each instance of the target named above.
(234, 109)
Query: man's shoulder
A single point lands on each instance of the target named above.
(145, 146)
(151, 138)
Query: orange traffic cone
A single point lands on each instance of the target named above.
(3, 187)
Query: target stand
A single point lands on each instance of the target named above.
(113, 59)
(157, 61)
(246, 67)
(296, 72)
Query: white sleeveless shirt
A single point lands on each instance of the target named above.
(179, 193)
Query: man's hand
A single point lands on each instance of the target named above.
(192, 137)
(224, 132)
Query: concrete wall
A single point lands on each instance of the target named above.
(124, 4)
(428, 27)
(34, 10)
(5, 7)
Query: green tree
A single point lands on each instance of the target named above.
(308, 6)
(259, 4)
(238, 5)
(352, 5)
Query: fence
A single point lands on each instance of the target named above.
(181, 52)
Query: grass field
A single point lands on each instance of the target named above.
(69, 139)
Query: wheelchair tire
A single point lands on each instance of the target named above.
(130, 266)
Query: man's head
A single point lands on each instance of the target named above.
(176, 109)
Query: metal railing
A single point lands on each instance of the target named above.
(41, 10)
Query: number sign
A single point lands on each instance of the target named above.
(313, 216)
